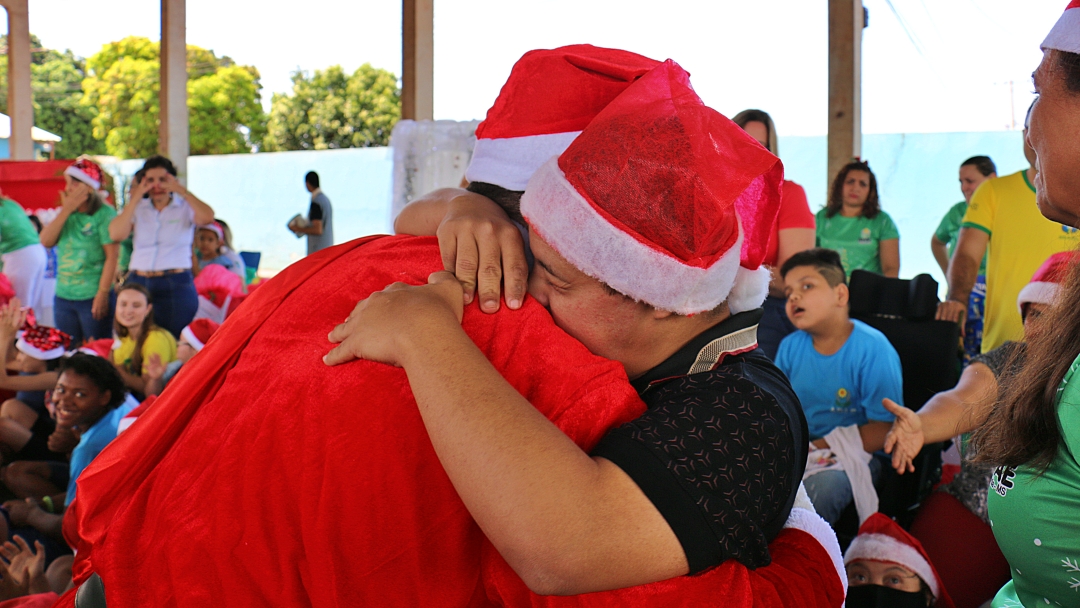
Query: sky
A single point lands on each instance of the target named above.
(928, 65)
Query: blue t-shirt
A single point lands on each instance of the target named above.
(847, 387)
(94, 440)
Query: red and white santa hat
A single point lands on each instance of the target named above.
(86, 171)
(43, 343)
(663, 199)
(100, 348)
(215, 228)
(1065, 35)
(549, 98)
(1046, 283)
(881, 539)
(198, 332)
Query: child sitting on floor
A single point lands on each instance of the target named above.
(192, 340)
(888, 568)
(139, 336)
(841, 369)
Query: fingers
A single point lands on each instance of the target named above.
(465, 267)
(23, 546)
(490, 274)
(340, 354)
(515, 270)
(893, 407)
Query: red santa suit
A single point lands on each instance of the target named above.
(263, 477)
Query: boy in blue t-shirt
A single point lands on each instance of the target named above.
(840, 368)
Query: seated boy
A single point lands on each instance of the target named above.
(841, 369)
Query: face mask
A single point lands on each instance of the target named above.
(878, 596)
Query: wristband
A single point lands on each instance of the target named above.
(47, 501)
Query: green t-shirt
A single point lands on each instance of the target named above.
(1036, 518)
(856, 238)
(948, 231)
(16, 229)
(80, 257)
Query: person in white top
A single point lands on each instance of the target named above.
(162, 215)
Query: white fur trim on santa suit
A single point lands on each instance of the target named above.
(80, 175)
(1037, 292)
(596, 247)
(37, 353)
(510, 162)
(884, 548)
(189, 336)
(810, 522)
(1065, 35)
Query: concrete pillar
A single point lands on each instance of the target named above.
(173, 126)
(418, 59)
(20, 106)
(846, 21)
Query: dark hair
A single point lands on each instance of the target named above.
(825, 261)
(871, 207)
(312, 179)
(99, 371)
(982, 164)
(36, 221)
(147, 326)
(509, 200)
(1024, 428)
(227, 241)
(159, 162)
(747, 116)
(1070, 62)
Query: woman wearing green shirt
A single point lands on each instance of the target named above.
(21, 254)
(854, 225)
(1033, 436)
(86, 255)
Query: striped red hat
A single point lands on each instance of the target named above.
(1065, 35)
(663, 199)
(1046, 282)
(549, 98)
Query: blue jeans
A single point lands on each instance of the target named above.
(75, 318)
(830, 491)
(175, 299)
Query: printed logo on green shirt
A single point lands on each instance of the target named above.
(87, 229)
(1002, 480)
(864, 236)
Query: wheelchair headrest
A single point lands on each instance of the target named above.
(913, 299)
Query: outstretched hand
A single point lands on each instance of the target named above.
(905, 439)
(25, 565)
(380, 326)
(155, 369)
(484, 249)
(12, 317)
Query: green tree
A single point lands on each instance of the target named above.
(224, 109)
(56, 83)
(329, 109)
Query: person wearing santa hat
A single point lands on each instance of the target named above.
(953, 524)
(192, 339)
(650, 255)
(86, 254)
(550, 96)
(1033, 436)
(888, 568)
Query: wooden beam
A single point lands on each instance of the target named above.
(846, 20)
(20, 103)
(173, 118)
(418, 59)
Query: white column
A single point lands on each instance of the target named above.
(173, 127)
(20, 106)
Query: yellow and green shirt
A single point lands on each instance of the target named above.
(158, 341)
(1020, 241)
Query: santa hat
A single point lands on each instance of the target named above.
(1065, 35)
(100, 348)
(1046, 283)
(663, 199)
(43, 343)
(881, 539)
(198, 332)
(549, 98)
(86, 171)
(215, 228)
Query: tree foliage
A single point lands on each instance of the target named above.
(123, 82)
(56, 82)
(330, 109)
